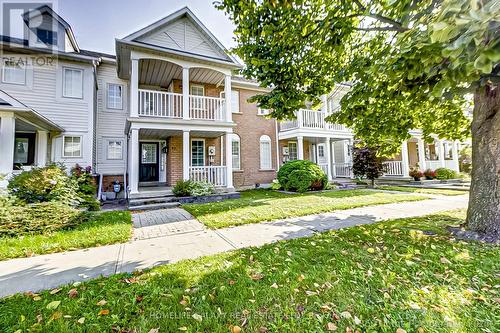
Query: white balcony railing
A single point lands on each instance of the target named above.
(207, 108)
(311, 119)
(212, 174)
(342, 169)
(160, 104)
(393, 168)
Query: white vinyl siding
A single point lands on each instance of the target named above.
(114, 149)
(265, 153)
(115, 96)
(14, 72)
(72, 146)
(236, 152)
(235, 101)
(72, 82)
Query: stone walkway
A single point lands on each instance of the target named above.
(52, 270)
(164, 222)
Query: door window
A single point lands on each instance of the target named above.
(21, 151)
(148, 153)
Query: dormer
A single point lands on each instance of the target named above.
(46, 29)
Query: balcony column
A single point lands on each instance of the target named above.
(300, 147)
(133, 161)
(329, 157)
(404, 159)
(134, 88)
(41, 148)
(454, 156)
(421, 154)
(7, 139)
(300, 119)
(229, 161)
(442, 162)
(228, 95)
(185, 93)
(185, 155)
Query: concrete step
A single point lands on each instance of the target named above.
(155, 206)
(152, 200)
(151, 194)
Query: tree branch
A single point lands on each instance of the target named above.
(396, 26)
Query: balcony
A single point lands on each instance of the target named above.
(313, 120)
(161, 104)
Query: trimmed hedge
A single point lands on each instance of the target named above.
(186, 188)
(302, 176)
(445, 173)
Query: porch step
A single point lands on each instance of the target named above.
(146, 194)
(152, 200)
(155, 206)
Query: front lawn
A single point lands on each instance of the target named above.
(437, 191)
(103, 228)
(265, 205)
(385, 277)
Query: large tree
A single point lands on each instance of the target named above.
(410, 64)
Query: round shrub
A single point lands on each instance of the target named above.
(185, 188)
(315, 176)
(299, 181)
(445, 173)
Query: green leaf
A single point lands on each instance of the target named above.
(53, 305)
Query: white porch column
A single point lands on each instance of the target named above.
(134, 88)
(454, 156)
(329, 157)
(229, 161)
(227, 93)
(300, 148)
(442, 162)
(333, 171)
(404, 159)
(7, 139)
(185, 155)
(41, 148)
(185, 93)
(421, 154)
(133, 158)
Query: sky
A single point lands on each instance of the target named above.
(96, 24)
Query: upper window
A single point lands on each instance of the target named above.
(235, 101)
(197, 90)
(72, 146)
(263, 112)
(115, 96)
(197, 152)
(14, 72)
(115, 150)
(72, 82)
(236, 152)
(265, 153)
(46, 36)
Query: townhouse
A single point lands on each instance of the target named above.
(166, 107)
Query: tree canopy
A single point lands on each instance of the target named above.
(410, 63)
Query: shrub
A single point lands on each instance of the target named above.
(317, 178)
(465, 160)
(275, 185)
(429, 174)
(366, 164)
(50, 183)
(299, 181)
(39, 218)
(184, 188)
(86, 190)
(415, 173)
(445, 173)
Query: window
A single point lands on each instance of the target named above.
(292, 151)
(263, 112)
(236, 152)
(72, 82)
(72, 146)
(14, 72)
(197, 152)
(235, 101)
(265, 153)
(114, 150)
(321, 151)
(148, 153)
(46, 36)
(197, 90)
(115, 96)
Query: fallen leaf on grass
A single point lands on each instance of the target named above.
(301, 277)
(445, 261)
(197, 317)
(400, 330)
(73, 293)
(53, 305)
(183, 328)
(274, 285)
(346, 315)
(103, 312)
(55, 291)
(263, 329)
(331, 327)
(81, 320)
(101, 302)
(154, 330)
(56, 315)
(235, 329)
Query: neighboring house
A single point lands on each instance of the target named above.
(167, 107)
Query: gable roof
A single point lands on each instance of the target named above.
(155, 35)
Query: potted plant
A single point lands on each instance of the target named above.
(416, 174)
(429, 174)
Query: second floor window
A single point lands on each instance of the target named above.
(235, 101)
(46, 36)
(197, 90)
(115, 96)
(14, 72)
(72, 82)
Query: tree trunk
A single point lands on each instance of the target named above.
(483, 215)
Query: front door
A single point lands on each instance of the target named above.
(24, 149)
(148, 162)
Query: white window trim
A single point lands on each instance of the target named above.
(196, 86)
(64, 81)
(81, 146)
(235, 102)
(191, 152)
(16, 83)
(236, 138)
(108, 84)
(266, 139)
(108, 140)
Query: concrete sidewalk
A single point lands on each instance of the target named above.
(52, 270)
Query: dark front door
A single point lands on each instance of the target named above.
(24, 149)
(148, 162)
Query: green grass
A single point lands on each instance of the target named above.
(422, 190)
(103, 228)
(373, 278)
(264, 205)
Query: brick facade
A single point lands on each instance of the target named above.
(284, 143)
